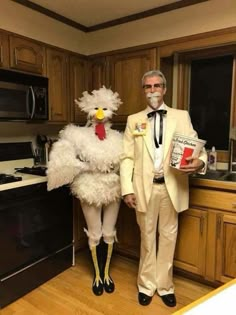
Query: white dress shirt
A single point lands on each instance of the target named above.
(158, 152)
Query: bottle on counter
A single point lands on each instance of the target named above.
(212, 159)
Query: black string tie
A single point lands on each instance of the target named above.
(161, 112)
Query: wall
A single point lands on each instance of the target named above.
(21, 20)
(199, 18)
(22, 131)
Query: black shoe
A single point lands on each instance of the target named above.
(144, 299)
(97, 288)
(109, 285)
(169, 299)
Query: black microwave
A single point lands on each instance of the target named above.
(23, 96)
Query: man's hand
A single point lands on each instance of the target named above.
(193, 166)
(130, 200)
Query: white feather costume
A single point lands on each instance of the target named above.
(88, 159)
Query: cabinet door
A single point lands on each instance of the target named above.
(98, 73)
(4, 50)
(58, 80)
(80, 238)
(126, 71)
(191, 242)
(127, 233)
(26, 55)
(226, 250)
(78, 84)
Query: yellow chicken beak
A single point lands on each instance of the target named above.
(99, 114)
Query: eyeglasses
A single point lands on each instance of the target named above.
(156, 86)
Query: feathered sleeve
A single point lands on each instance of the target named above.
(63, 164)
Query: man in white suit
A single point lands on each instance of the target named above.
(157, 191)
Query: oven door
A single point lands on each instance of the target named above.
(35, 225)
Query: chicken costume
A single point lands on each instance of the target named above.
(88, 158)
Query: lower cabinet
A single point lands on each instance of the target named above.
(127, 233)
(206, 243)
(191, 242)
(226, 247)
(80, 238)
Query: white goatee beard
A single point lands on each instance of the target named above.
(153, 99)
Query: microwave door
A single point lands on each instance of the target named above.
(13, 99)
(30, 103)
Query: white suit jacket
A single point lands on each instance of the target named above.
(137, 160)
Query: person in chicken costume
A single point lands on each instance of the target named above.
(88, 158)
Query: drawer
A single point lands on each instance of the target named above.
(213, 199)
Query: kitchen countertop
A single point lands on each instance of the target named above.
(27, 179)
(213, 184)
(8, 167)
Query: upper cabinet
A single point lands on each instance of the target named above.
(26, 55)
(78, 84)
(98, 73)
(125, 74)
(57, 72)
(4, 50)
(122, 72)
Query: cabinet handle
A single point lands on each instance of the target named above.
(1, 55)
(201, 224)
(218, 227)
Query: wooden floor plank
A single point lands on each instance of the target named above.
(70, 293)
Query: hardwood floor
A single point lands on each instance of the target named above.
(70, 293)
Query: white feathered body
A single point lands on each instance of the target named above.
(89, 165)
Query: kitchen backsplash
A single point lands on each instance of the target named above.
(27, 132)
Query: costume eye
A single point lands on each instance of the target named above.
(96, 108)
(104, 108)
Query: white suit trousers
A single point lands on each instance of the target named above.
(156, 260)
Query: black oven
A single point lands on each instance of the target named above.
(36, 238)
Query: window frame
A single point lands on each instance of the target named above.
(183, 82)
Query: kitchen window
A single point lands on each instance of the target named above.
(206, 88)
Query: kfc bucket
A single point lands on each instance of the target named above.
(184, 147)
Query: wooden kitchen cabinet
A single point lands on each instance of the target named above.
(57, 72)
(191, 242)
(80, 238)
(98, 73)
(206, 244)
(4, 50)
(78, 81)
(128, 234)
(226, 247)
(125, 73)
(26, 55)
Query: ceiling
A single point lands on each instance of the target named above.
(93, 15)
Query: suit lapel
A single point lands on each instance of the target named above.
(148, 138)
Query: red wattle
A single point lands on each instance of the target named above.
(100, 131)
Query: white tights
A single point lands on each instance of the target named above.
(98, 227)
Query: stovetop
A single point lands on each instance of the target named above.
(9, 178)
(34, 170)
(18, 168)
